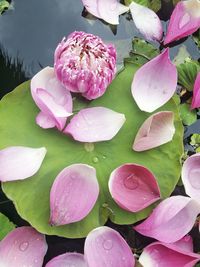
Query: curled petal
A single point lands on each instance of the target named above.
(24, 246)
(54, 101)
(167, 255)
(171, 220)
(95, 124)
(185, 243)
(184, 20)
(105, 247)
(68, 259)
(45, 121)
(73, 194)
(133, 187)
(151, 86)
(191, 176)
(196, 93)
(146, 21)
(157, 130)
(18, 162)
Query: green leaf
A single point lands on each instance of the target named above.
(195, 140)
(181, 55)
(5, 226)
(31, 196)
(152, 4)
(3, 6)
(188, 116)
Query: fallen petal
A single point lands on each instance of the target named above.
(171, 220)
(95, 124)
(184, 20)
(45, 121)
(185, 243)
(68, 259)
(191, 176)
(24, 246)
(157, 130)
(133, 187)
(196, 93)
(105, 247)
(18, 162)
(146, 21)
(92, 7)
(167, 255)
(151, 86)
(73, 194)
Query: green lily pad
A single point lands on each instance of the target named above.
(31, 196)
(5, 226)
(152, 4)
(3, 6)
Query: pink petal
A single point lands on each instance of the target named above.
(24, 246)
(51, 97)
(191, 176)
(185, 243)
(104, 247)
(146, 21)
(18, 162)
(167, 255)
(95, 124)
(157, 130)
(184, 20)
(172, 219)
(151, 87)
(92, 7)
(133, 187)
(196, 93)
(73, 194)
(45, 121)
(68, 259)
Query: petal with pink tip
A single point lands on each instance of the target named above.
(68, 259)
(24, 246)
(191, 176)
(133, 187)
(171, 220)
(73, 194)
(18, 162)
(95, 124)
(151, 86)
(184, 20)
(157, 130)
(45, 121)
(92, 7)
(185, 243)
(196, 93)
(167, 255)
(146, 21)
(105, 247)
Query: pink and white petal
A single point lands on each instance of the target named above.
(68, 259)
(151, 86)
(92, 7)
(45, 121)
(95, 124)
(147, 22)
(133, 187)
(19, 163)
(157, 130)
(73, 194)
(24, 246)
(184, 20)
(171, 220)
(196, 93)
(191, 176)
(106, 247)
(185, 243)
(167, 255)
(109, 10)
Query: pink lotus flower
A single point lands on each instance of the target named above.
(196, 93)
(184, 20)
(84, 64)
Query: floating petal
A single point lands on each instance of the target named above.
(92, 7)
(157, 130)
(151, 87)
(171, 220)
(45, 121)
(105, 247)
(73, 194)
(68, 259)
(95, 124)
(146, 21)
(24, 246)
(133, 187)
(196, 93)
(18, 162)
(184, 20)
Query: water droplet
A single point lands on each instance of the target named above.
(123, 258)
(35, 261)
(131, 182)
(95, 160)
(23, 246)
(194, 178)
(108, 244)
(104, 157)
(184, 20)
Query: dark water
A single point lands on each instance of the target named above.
(29, 35)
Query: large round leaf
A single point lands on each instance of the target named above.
(31, 196)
